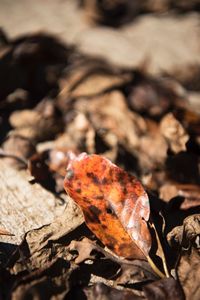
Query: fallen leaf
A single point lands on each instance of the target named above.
(190, 193)
(174, 133)
(186, 234)
(164, 289)
(84, 249)
(101, 291)
(128, 272)
(89, 82)
(152, 96)
(40, 124)
(114, 204)
(62, 225)
(189, 273)
(148, 155)
(49, 282)
(17, 150)
(108, 111)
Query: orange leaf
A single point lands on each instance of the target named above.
(114, 204)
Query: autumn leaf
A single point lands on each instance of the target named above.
(114, 203)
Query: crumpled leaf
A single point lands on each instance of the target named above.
(84, 249)
(174, 133)
(51, 282)
(39, 246)
(114, 203)
(164, 289)
(107, 112)
(128, 272)
(186, 234)
(152, 140)
(189, 273)
(40, 266)
(16, 150)
(101, 291)
(39, 124)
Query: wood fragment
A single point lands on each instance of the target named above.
(24, 206)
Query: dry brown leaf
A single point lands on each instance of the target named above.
(67, 222)
(189, 192)
(129, 272)
(110, 113)
(40, 247)
(189, 273)
(85, 133)
(84, 249)
(50, 282)
(164, 289)
(174, 133)
(91, 81)
(100, 291)
(17, 149)
(148, 154)
(39, 124)
(186, 234)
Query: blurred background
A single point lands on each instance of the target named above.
(75, 75)
(164, 33)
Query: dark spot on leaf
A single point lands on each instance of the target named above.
(95, 210)
(123, 246)
(110, 246)
(94, 178)
(109, 210)
(86, 199)
(78, 191)
(111, 241)
(105, 181)
(111, 172)
(99, 197)
(121, 177)
(90, 218)
(124, 190)
(104, 226)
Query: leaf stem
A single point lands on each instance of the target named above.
(162, 252)
(154, 267)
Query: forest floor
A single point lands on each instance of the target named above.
(121, 80)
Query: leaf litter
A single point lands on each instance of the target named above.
(141, 136)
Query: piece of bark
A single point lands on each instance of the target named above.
(24, 206)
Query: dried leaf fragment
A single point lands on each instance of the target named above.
(101, 291)
(186, 234)
(189, 192)
(167, 288)
(174, 133)
(84, 249)
(189, 273)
